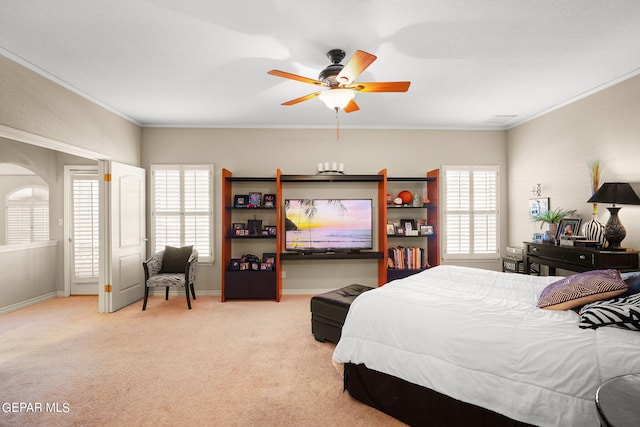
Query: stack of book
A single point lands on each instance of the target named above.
(402, 258)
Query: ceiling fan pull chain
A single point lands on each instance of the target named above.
(337, 125)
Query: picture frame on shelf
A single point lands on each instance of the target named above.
(568, 227)
(255, 266)
(265, 266)
(269, 201)
(538, 205)
(255, 227)
(255, 200)
(272, 230)
(428, 230)
(391, 229)
(238, 228)
(408, 224)
(269, 258)
(240, 200)
(244, 266)
(234, 264)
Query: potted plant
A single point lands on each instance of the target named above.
(553, 218)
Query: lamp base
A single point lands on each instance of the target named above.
(614, 231)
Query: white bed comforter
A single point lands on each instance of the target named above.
(477, 336)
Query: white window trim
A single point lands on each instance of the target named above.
(470, 256)
(182, 167)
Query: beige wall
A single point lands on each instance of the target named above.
(259, 152)
(554, 150)
(32, 104)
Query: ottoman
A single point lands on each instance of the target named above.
(329, 310)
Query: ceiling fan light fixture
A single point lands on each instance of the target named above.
(336, 98)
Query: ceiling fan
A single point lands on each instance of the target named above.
(339, 79)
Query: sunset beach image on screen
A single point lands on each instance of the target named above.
(328, 224)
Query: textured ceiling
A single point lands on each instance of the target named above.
(205, 63)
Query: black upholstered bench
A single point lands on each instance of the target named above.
(329, 310)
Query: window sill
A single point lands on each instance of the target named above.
(25, 246)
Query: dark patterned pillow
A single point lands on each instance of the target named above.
(621, 312)
(580, 289)
(175, 260)
(633, 281)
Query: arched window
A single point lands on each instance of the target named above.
(27, 215)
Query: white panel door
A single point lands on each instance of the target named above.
(126, 246)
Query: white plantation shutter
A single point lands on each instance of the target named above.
(86, 227)
(18, 223)
(182, 207)
(28, 215)
(40, 221)
(485, 205)
(471, 211)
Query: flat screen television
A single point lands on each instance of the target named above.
(323, 225)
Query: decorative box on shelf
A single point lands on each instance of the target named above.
(571, 240)
(515, 252)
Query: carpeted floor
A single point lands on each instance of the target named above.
(239, 363)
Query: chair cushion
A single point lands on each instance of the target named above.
(166, 279)
(175, 259)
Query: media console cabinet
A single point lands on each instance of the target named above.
(241, 284)
(577, 259)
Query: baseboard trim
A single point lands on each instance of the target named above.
(306, 291)
(27, 303)
(153, 292)
(213, 293)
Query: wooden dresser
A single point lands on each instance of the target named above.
(577, 258)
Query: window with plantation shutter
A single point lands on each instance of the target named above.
(182, 211)
(27, 215)
(471, 212)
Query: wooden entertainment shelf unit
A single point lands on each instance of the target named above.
(268, 284)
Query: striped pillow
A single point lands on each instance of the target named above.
(580, 289)
(621, 312)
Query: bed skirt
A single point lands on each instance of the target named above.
(416, 405)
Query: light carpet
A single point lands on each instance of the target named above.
(238, 363)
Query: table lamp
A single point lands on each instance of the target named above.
(620, 193)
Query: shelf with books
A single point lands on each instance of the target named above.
(411, 220)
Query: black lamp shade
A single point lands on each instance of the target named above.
(616, 193)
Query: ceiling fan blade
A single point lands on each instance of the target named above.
(351, 107)
(302, 98)
(381, 87)
(356, 65)
(302, 79)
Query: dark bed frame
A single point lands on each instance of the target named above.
(416, 405)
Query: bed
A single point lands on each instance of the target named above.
(460, 345)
